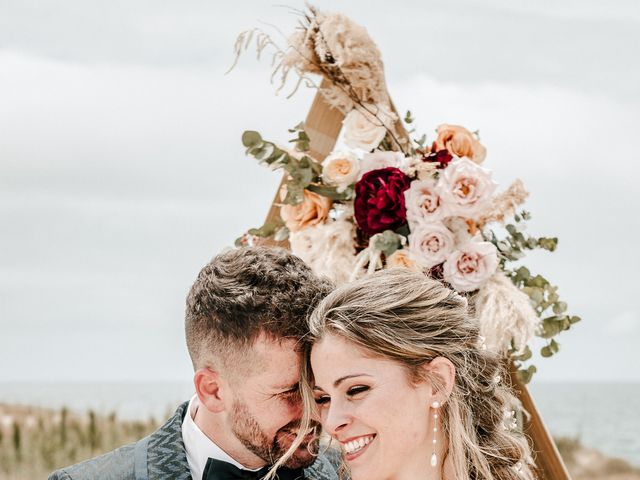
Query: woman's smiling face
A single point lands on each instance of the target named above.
(369, 405)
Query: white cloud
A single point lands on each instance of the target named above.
(623, 324)
(119, 180)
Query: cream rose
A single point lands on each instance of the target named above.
(466, 188)
(341, 169)
(460, 142)
(430, 243)
(378, 160)
(314, 210)
(423, 202)
(363, 130)
(469, 267)
(403, 258)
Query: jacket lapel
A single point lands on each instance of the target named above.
(166, 456)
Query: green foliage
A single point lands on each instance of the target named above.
(303, 174)
(408, 118)
(526, 374)
(275, 229)
(544, 297)
(331, 192)
(421, 141)
(388, 242)
(301, 140)
(266, 230)
(513, 247)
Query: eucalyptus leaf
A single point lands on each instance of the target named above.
(388, 242)
(295, 194)
(524, 356)
(266, 230)
(522, 273)
(546, 351)
(302, 136)
(408, 118)
(265, 152)
(503, 246)
(559, 307)
(251, 138)
(525, 375)
(326, 191)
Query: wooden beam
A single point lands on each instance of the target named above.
(323, 125)
(544, 450)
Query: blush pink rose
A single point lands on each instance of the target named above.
(470, 266)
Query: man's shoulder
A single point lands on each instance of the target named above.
(326, 466)
(115, 465)
(160, 455)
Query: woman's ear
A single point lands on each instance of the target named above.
(443, 374)
(209, 389)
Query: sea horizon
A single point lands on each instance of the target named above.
(597, 413)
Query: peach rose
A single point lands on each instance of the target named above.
(403, 259)
(460, 142)
(314, 210)
(341, 169)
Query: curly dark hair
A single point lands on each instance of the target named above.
(245, 292)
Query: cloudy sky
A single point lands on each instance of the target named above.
(122, 171)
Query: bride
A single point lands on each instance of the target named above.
(396, 374)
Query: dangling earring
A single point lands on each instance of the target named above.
(434, 458)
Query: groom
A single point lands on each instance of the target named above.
(246, 313)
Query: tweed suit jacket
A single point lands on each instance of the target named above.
(161, 456)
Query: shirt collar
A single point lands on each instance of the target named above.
(198, 446)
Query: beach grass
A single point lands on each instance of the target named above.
(36, 441)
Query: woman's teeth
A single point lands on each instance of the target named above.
(355, 445)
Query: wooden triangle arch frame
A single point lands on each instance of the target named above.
(323, 125)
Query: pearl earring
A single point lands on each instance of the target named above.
(434, 458)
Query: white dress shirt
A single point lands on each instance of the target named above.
(199, 447)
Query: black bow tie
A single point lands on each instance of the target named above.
(219, 470)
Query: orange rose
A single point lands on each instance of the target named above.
(460, 142)
(314, 210)
(403, 259)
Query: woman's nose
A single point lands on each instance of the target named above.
(337, 418)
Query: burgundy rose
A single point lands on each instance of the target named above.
(379, 203)
(442, 157)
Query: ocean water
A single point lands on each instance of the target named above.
(604, 416)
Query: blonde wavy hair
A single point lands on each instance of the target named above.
(411, 319)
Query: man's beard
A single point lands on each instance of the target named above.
(247, 430)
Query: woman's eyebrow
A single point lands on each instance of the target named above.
(342, 379)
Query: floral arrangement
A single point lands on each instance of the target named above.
(385, 199)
